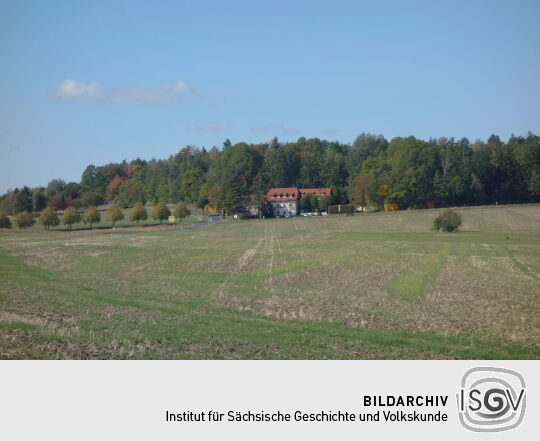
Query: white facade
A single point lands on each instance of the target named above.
(284, 208)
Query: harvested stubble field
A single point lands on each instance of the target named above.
(377, 286)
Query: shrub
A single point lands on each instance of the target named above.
(341, 209)
(447, 221)
(4, 221)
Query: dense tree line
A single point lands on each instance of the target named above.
(406, 172)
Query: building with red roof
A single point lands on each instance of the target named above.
(285, 201)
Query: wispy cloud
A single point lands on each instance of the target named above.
(91, 92)
(275, 129)
(208, 127)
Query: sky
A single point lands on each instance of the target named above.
(92, 82)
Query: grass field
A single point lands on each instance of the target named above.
(376, 286)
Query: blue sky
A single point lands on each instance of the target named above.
(95, 82)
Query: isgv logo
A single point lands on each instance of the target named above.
(491, 399)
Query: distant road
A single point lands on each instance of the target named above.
(210, 220)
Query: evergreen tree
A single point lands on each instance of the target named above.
(232, 202)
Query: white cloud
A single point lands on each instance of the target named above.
(84, 92)
(208, 127)
(72, 90)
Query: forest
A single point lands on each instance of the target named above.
(403, 173)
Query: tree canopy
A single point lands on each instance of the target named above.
(48, 218)
(24, 219)
(71, 216)
(181, 210)
(404, 171)
(138, 213)
(161, 212)
(114, 214)
(91, 216)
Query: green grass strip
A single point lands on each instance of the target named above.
(503, 251)
(419, 280)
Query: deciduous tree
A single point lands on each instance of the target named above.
(161, 212)
(324, 202)
(91, 216)
(114, 214)
(71, 216)
(181, 211)
(48, 218)
(39, 200)
(24, 219)
(360, 189)
(138, 213)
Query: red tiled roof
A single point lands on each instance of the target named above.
(316, 191)
(293, 193)
(282, 194)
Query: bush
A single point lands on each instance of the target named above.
(4, 221)
(341, 209)
(447, 221)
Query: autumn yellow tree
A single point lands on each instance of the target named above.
(138, 213)
(161, 212)
(114, 214)
(48, 218)
(71, 216)
(24, 219)
(91, 216)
